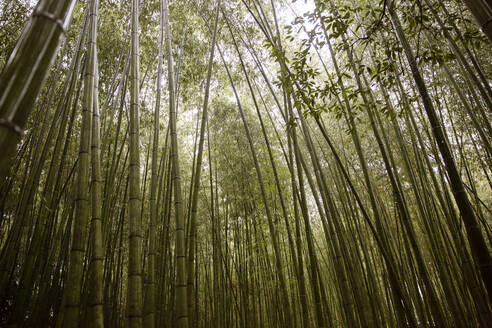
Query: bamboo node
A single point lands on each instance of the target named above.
(12, 126)
(51, 17)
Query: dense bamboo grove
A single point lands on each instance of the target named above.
(246, 163)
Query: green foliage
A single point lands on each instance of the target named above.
(362, 224)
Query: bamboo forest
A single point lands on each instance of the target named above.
(246, 163)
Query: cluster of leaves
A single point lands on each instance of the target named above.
(13, 16)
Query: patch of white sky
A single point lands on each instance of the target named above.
(288, 11)
(320, 55)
